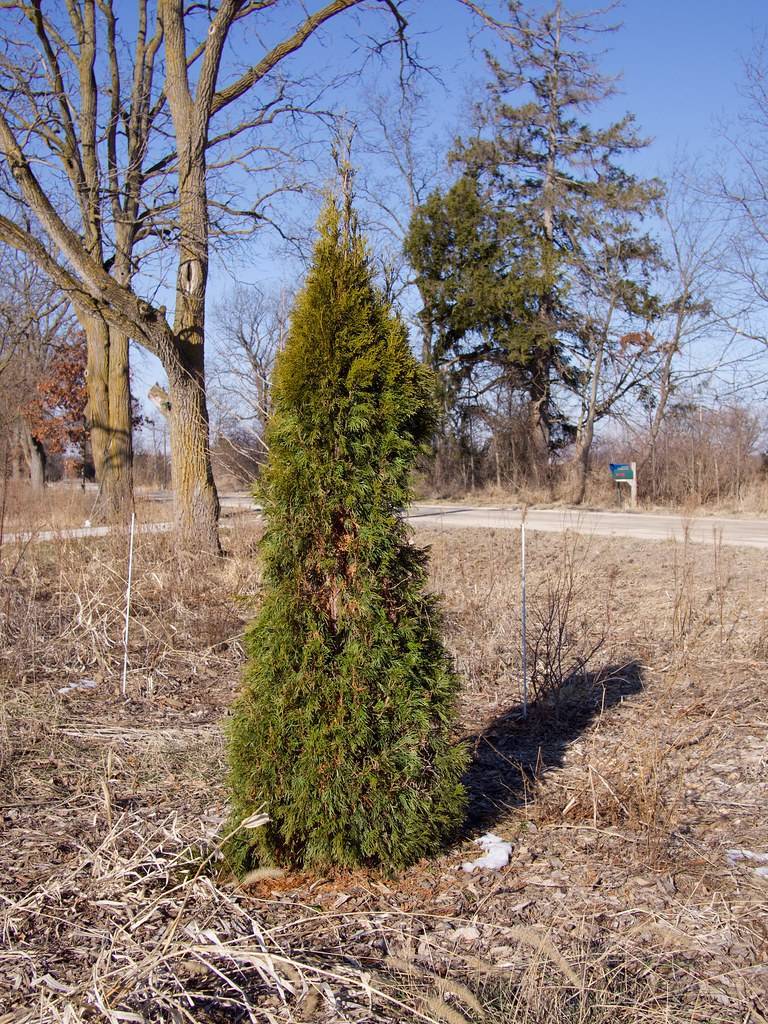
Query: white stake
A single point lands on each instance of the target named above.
(524, 644)
(123, 686)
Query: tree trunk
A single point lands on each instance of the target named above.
(37, 465)
(580, 465)
(539, 428)
(34, 456)
(196, 500)
(119, 469)
(197, 504)
(97, 378)
(586, 434)
(109, 416)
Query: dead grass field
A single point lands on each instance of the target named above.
(60, 506)
(642, 764)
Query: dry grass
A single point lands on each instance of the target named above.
(621, 794)
(60, 506)
(602, 493)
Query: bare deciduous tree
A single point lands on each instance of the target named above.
(249, 328)
(93, 161)
(403, 162)
(34, 320)
(687, 316)
(745, 190)
(614, 352)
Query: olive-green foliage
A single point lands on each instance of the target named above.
(343, 731)
(476, 276)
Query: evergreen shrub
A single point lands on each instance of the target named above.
(343, 732)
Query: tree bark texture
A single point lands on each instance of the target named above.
(586, 434)
(34, 456)
(197, 503)
(109, 416)
(196, 500)
(119, 470)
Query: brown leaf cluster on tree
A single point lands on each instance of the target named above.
(636, 340)
(57, 410)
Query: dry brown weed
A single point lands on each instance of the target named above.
(620, 808)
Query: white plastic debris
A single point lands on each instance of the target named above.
(737, 856)
(496, 856)
(79, 684)
(734, 856)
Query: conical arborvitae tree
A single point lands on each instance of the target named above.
(343, 730)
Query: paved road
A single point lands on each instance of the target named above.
(642, 526)
(38, 536)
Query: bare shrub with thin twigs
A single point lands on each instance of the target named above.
(562, 643)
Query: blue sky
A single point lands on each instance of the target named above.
(681, 67)
(680, 62)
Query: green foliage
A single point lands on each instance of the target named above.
(343, 731)
(519, 261)
(470, 256)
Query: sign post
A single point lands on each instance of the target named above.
(626, 473)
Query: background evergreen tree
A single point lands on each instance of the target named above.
(468, 255)
(552, 192)
(343, 731)
(480, 293)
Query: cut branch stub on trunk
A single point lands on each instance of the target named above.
(158, 396)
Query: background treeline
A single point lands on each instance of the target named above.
(574, 311)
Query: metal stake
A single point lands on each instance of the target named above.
(123, 685)
(524, 644)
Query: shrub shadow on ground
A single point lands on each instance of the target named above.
(510, 752)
